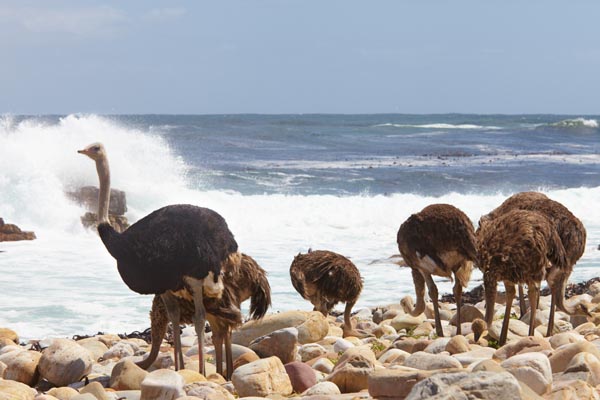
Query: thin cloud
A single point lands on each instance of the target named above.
(82, 21)
(164, 14)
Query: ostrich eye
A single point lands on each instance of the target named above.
(96, 148)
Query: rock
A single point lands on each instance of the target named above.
(324, 365)
(63, 393)
(64, 362)
(394, 383)
(21, 366)
(301, 376)
(12, 233)
(208, 391)
(526, 345)
(282, 343)
(341, 345)
(313, 329)
(88, 197)
(12, 390)
(587, 364)
(190, 376)
(533, 369)
(410, 345)
(84, 396)
(406, 321)
(425, 361)
(119, 351)
(9, 333)
(244, 359)
(162, 384)
(516, 330)
(90, 221)
(468, 313)
(352, 371)
(473, 356)
(487, 365)
(437, 345)
(463, 385)
(458, 344)
(311, 350)
(270, 323)
(573, 390)
(97, 390)
(394, 356)
(561, 358)
(126, 375)
(261, 378)
(324, 388)
(236, 352)
(384, 330)
(94, 346)
(564, 338)
(2, 368)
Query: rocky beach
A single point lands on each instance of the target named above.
(300, 354)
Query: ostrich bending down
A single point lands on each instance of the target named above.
(518, 247)
(439, 240)
(325, 278)
(241, 282)
(174, 248)
(572, 235)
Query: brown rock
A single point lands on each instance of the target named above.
(9, 333)
(21, 366)
(262, 378)
(244, 359)
(126, 375)
(96, 389)
(563, 356)
(301, 375)
(458, 344)
(64, 362)
(394, 383)
(88, 197)
(12, 233)
(12, 390)
(282, 343)
(313, 329)
(468, 313)
(525, 345)
(352, 371)
(63, 393)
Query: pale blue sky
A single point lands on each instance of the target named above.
(304, 56)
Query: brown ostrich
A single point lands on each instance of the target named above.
(325, 278)
(439, 240)
(242, 281)
(520, 246)
(572, 235)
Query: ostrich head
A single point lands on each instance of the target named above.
(95, 151)
(478, 326)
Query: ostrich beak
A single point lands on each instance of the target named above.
(84, 151)
(476, 336)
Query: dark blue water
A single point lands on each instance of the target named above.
(383, 154)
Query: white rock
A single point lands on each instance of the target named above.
(322, 389)
(261, 378)
(64, 362)
(533, 369)
(342, 345)
(162, 384)
(425, 361)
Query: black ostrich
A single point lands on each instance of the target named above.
(174, 249)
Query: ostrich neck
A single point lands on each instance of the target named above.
(104, 195)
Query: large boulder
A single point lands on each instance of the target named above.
(270, 323)
(12, 233)
(64, 362)
(9, 333)
(301, 375)
(533, 369)
(561, 358)
(261, 378)
(468, 385)
(88, 197)
(126, 375)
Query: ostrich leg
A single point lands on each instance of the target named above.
(510, 296)
(347, 329)
(158, 331)
(490, 286)
(433, 293)
(172, 306)
(533, 293)
(228, 354)
(522, 306)
(199, 317)
(458, 299)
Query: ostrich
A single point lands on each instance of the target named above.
(247, 280)
(325, 278)
(439, 240)
(520, 246)
(572, 235)
(174, 248)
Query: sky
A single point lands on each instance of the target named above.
(299, 56)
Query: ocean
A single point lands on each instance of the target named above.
(284, 183)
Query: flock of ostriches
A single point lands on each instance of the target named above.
(187, 257)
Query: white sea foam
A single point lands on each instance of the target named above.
(442, 126)
(576, 123)
(65, 282)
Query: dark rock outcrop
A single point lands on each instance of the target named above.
(12, 233)
(88, 197)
